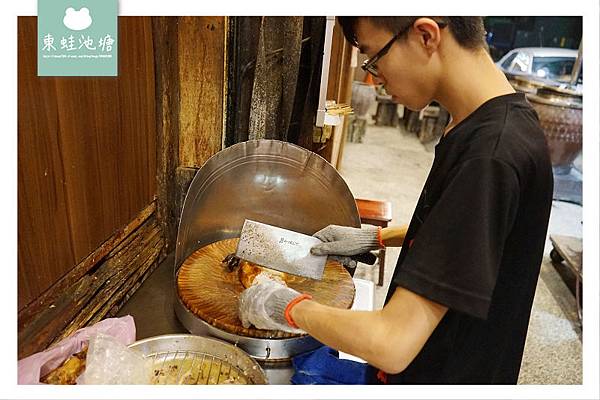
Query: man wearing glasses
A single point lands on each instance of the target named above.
(458, 305)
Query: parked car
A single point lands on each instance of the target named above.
(541, 62)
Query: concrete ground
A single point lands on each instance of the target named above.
(392, 165)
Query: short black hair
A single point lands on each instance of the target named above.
(469, 32)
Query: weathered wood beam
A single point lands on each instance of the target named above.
(114, 310)
(96, 293)
(56, 291)
(201, 53)
(116, 276)
(166, 61)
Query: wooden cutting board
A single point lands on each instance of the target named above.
(211, 292)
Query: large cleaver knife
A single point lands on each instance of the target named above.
(280, 249)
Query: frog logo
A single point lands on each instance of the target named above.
(77, 20)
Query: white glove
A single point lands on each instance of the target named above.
(263, 305)
(344, 243)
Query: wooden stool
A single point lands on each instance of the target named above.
(378, 213)
(568, 250)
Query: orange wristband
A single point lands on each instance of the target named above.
(291, 304)
(379, 239)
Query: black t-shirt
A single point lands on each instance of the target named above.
(475, 244)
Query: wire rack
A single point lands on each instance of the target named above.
(194, 368)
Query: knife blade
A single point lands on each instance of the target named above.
(280, 249)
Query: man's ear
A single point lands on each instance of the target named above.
(429, 33)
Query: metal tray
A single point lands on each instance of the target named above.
(191, 359)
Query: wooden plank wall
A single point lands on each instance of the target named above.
(86, 154)
(101, 180)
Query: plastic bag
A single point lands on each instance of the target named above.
(109, 362)
(31, 369)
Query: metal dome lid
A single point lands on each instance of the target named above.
(270, 181)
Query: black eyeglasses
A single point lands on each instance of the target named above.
(369, 64)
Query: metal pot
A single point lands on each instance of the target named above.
(526, 84)
(560, 113)
(269, 181)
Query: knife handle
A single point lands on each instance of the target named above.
(366, 258)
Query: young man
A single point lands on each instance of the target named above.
(459, 302)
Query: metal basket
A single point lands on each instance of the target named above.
(196, 360)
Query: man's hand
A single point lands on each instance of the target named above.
(342, 242)
(264, 303)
